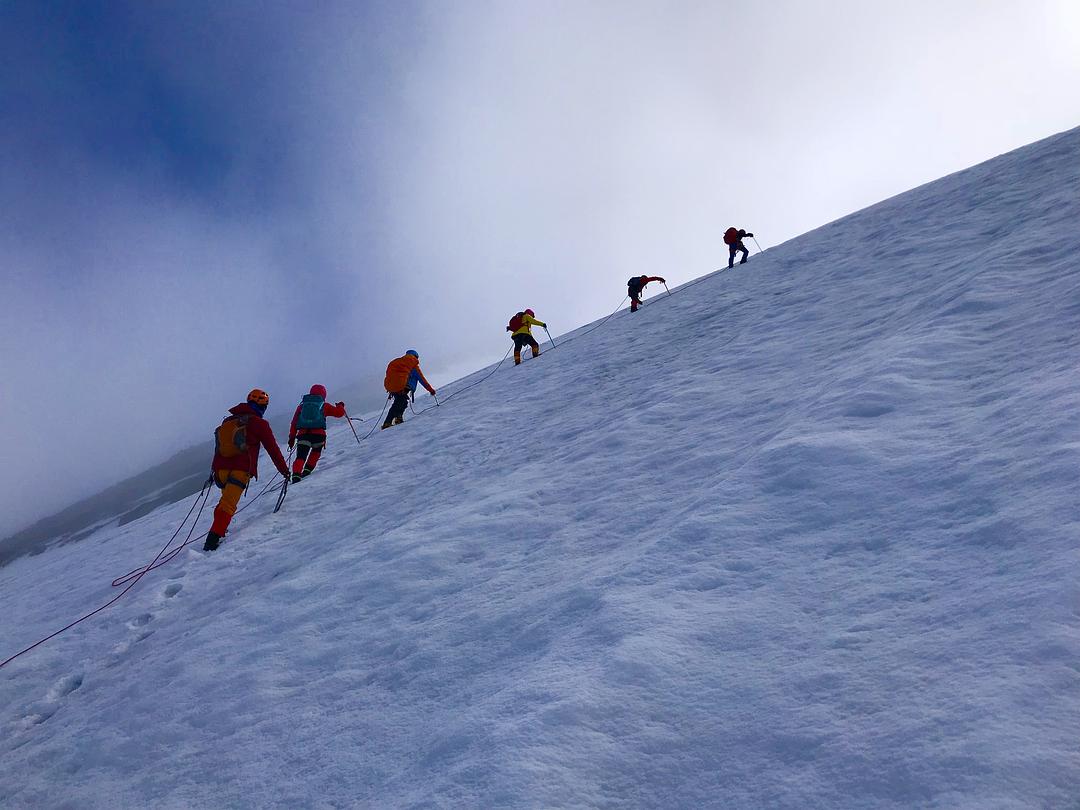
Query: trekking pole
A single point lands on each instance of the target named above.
(436, 400)
(349, 420)
(550, 338)
(665, 287)
(756, 243)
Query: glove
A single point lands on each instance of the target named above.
(433, 392)
(341, 405)
(292, 441)
(284, 472)
(750, 235)
(663, 281)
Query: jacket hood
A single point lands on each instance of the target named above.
(243, 409)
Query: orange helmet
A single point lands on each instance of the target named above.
(259, 397)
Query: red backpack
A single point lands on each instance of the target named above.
(731, 236)
(516, 322)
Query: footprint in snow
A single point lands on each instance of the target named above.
(44, 709)
(173, 589)
(141, 620)
(65, 686)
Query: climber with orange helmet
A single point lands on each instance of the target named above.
(520, 328)
(236, 458)
(308, 430)
(402, 377)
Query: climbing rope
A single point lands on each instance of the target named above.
(165, 555)
(562, 341)
(157, 563)
(138, 574)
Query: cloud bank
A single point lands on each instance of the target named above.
(202, 198)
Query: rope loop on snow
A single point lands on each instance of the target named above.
(133, 578)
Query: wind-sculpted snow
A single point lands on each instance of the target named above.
(800, 535)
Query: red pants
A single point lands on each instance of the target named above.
(308, 448)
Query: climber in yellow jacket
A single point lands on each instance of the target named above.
(520, 327)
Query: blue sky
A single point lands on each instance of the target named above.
(201, 198)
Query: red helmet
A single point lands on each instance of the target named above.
(318, 390)
(530, 313)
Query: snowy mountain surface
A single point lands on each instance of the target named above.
(801, 535)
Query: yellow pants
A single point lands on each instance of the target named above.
(232, 484)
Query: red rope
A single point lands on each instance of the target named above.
(157, 563)
(202, 496)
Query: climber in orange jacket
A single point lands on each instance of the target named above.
(402, 377)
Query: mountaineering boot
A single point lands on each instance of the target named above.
(399, 420)
(307, 471)
(212, 542)
(517, 358)
(743, 260)
(535, 351)
(295, 478)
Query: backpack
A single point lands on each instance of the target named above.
(731, 236)
(231, 438)
(634, 284)
(311, 415)
(516, 322)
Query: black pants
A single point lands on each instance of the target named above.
(307, 442)
(735, 249)
(397, 407)
(523, 340)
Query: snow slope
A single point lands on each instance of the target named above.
(803, 534)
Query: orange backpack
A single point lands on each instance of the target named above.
(731, 236)
(231, 438)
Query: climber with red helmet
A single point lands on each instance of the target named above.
(236, 458)
(402, 376)
(634, 287)
(308, 430)
(520, 328)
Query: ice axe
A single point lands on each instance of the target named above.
(550, 337)
(281, 497)
(349, 419)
